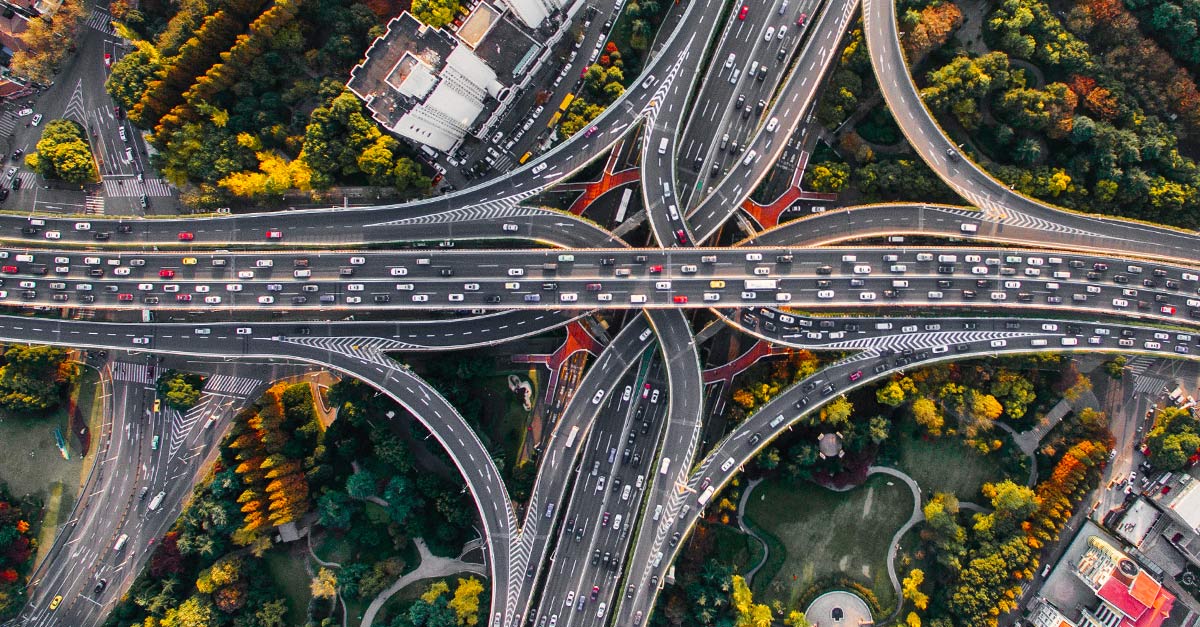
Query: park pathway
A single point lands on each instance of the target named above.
(917, 516)
(431, 566)
(741, 513)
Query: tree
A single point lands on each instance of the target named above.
(927, 414)
(890, 394)
(127, 81)
(435, 13)
(837, 412)
(1174, 438)
(466, 601)
(878, 428)
(48, 40)
(796, 618)
(34, 378)
(324, 585)
(362, 484)
(912, 589)
(63, 153)
(272, 614)
(829, 177)
(180, 390)
(912, 620)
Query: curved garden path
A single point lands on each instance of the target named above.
(431, 566)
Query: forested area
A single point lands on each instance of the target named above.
(35, 379)
(246, 98)
(1108, 130)
(277, 465)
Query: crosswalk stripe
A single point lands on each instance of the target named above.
(125, 187)
(231, 385)
(101, 21)
(133, 373)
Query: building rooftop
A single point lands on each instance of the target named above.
(1137, 521)
(408, 50)
(505, 47)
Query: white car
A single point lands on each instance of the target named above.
(122, 271)
(516, 272)
(407, 287)
(37, 119)
(825, 294)
(420, 298)
(358, 261)
(83, 226)
(212, 300)
(711, 297)
(353, 300)
(456, 298)
(354, 287)
(866, 296)
(245, 274)
(145, 287)
(471, 287)
(53, 235)
(539, 167)
(604, 298)
(141, 340)
(172, 288)
(399, 271)
(266, 300)
(512, 285)
(979, 270)
(233, 287)
(201, 289)
(24, 112)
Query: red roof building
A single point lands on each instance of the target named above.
(1127, 596)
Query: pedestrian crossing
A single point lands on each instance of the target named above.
(8, 122)
(94, 204)
(132, 373)
(28, 180)
(101, 21)
(227, 384)
(127, 187)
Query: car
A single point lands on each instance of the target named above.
(856, 375)
(189, 261)
(24, 112)
(55, 601)
(952, 155)
(595, 592)
(141, 340)
(801, 20)
(186, 236)
(37, 119)
(655, 269)
(274, 234)
(100, 585)
(742, 13)
(1167, 309)
(681, 237)
(593, 130)
(681, 300)
(52, 234)
(166, 273)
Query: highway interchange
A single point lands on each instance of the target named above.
(1057, 281)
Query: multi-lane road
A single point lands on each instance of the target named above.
(620, 479)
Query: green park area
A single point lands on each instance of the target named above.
(826, 535)
(944, 464)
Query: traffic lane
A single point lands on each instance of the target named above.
(716, 471)
(796, 96)
(559, 459)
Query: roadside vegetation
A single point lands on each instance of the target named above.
(247, 99)
(63, 153)
(1083, 110)
(353, 485)
(18, 544)
(180, 389)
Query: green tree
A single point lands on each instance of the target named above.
(34, 378)
(890, 394)
(362, 484)
(180, 390)
(127, 81)
(63, 153)
(1173, 439)
(435, 13)
(828, 177)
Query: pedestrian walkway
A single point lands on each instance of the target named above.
(431, 566)
(93, 204)
(133, 373)
(226, 384)
(129, 187)
(578, 339)
(101, 21)
(8, 122)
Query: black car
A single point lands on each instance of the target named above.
(3, 194)
(27, 230)
(802, 402)
(16, 183)
(124, 228)
(100, 586)
(102, 235)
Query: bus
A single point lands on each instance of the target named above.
(554, 119)
(566, 103)
(624, 205)
(706, 495)
(571, 436)
(525, 157)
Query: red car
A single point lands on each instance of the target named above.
(124, 297)
(274, 234)
(9, 269)
(591, 131)
(655, 269)
(107, 60)
(856, 375)
(743, 12)
(681, 236)
(681, 300)
(646, 391)
(595, 592)
(186, 236)
(800, 22)
(1168, 309)
(166, 273)
(183, 298)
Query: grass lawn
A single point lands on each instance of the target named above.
(335, 548)
(293, 581)
(826, 533)
(945, 465)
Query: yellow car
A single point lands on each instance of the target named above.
(54, 603)
(716, 285)
(189, 261)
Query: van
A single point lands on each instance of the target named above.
(662, 145)
(120, 544)
(1069, 341)
(776, 421)
(156, 501)
(969, 228)
(657, 559)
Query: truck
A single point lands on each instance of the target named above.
(762, 284)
